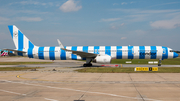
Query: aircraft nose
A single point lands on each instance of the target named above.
(175, 55)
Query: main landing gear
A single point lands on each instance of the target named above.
(159, 64)
(88, 62)
(87, 65)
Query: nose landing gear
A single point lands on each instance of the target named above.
(159, 64)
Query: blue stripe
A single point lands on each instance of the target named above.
(96, 49)
(30, 52)
(141, 52)
(52, 53)
(108, 50)
(41, 52)
(11, 30)
(153, 52)
(63, 54)
(74, 57)
(130, 51)
(31, 45)
(20, 40)
(85, 49)
(20, 54)
(119, 52)
(165, 52)
(20, 43)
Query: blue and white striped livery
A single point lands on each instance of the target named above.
(99, 54)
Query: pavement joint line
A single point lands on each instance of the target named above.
(122, 82)
(90, 87)
(166, 79)
(136, 88)
(69, 89)
(12, 92)
(160, 76)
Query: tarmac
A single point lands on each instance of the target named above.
(66, 63)
(65, 84)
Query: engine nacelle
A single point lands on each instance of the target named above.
(102, 59)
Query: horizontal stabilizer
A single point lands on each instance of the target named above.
(15, 50)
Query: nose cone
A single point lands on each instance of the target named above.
(175, 55)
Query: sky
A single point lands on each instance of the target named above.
(92, 22)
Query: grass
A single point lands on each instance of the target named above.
(127, 70)
(175, 61)
(21, 63)
(18, 68)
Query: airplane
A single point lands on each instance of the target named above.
(5, 53)
(97, 54)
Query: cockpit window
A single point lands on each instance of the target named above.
(171, 51)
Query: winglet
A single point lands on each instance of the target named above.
(60, 44)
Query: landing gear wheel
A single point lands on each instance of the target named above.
(159, 64)
(87, 65)
(84, 65)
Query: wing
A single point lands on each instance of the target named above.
(80, 53)
(15, 50)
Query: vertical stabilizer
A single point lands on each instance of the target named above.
(19, 39)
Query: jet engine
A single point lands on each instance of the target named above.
(102, 59)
